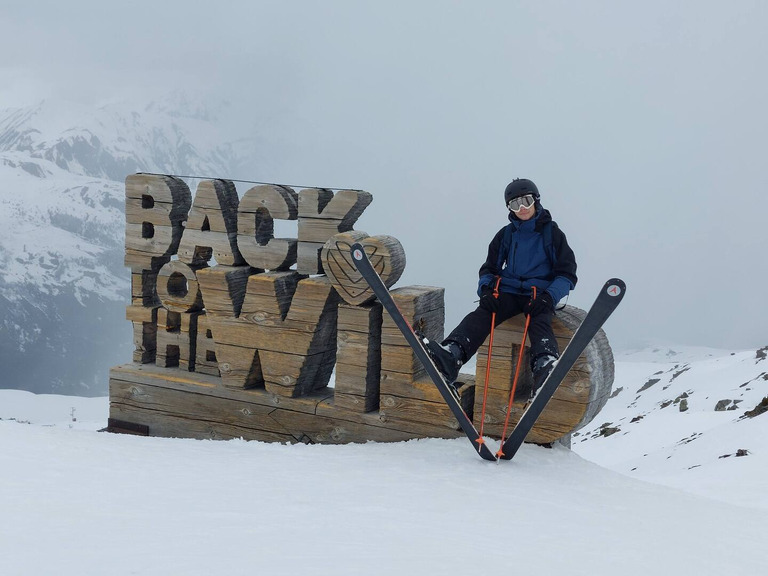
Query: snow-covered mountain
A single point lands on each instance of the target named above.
(690, 418)
(63, 287)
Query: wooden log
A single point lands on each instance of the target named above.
(572, 402)
(211, 230)
(260, 206)
(385, 253)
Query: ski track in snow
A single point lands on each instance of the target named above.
(75, 501)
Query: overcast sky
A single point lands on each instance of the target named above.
(644, 125)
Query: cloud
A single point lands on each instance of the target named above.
(643, 125)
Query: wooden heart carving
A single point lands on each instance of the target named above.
(385, 253)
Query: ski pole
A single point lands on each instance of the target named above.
(500, 453)
(488, 363)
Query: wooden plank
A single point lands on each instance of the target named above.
(142, 313)
(197, 383)
(151, 240)
(144, 287)
(356, 402)
(223, 288)
(346, 205)
(358, 357)
(144, 341)
(275, 202)
(321, 429)
(308, 259)
(378, 420)
(186, 414)
(411, 409)
(137, 261)
(206, 361)
(159, 214)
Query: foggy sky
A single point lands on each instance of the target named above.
(643, 124)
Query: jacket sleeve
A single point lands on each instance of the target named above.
(490, 268)
(565, 266)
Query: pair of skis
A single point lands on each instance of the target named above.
(607, 301)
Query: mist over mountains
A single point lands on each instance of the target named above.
(63, 287)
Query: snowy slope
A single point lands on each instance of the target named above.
(78, 502)
(63, 287)
(75, 501)
(678, 418)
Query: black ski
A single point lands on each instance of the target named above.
(382, 293)
(607, 301)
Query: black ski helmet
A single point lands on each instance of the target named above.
(520, 187)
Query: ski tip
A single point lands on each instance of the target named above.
(615, 287)
(357, 251)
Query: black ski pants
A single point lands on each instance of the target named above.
(476, 326)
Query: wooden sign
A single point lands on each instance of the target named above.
(237, 333)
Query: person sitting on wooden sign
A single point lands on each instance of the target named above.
(530, 256)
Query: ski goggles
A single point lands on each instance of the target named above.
(516, 204)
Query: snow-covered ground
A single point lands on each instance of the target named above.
(75, 501)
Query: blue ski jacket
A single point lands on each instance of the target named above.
(530, 253)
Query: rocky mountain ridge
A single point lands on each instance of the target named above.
(63, 287)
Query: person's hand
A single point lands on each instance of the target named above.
(541, 303)
(487, 300)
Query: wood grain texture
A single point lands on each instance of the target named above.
(385, 253)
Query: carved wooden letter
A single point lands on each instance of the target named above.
(322, 215)
(211, 231)
(260, 206)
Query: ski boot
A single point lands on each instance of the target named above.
(541, 368)
(447, 359)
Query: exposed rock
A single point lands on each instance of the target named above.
(648, 384)
(722, 405)
(609, 430)
(739, 452)
(679, 372)
(683, 405)
(761, 408)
